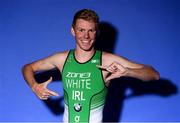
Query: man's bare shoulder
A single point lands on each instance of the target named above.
(61, 54)
(106, 54)
(108, 58)
(111, 55)
(59, 58)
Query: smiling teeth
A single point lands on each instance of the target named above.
(85, 41)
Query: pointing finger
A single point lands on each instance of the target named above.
(52, 93)
(106, 68)
(101, 67)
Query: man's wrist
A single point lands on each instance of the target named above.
(33, 87)
(127, 71)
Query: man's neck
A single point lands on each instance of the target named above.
(82, 55)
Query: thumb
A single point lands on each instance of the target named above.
(48, 81)
(110, 77)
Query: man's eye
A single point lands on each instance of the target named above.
(92, 30)
(80, 30)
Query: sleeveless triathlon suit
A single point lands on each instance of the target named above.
(84, 89)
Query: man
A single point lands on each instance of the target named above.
(86, 72)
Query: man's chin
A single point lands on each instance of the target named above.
(88, 49)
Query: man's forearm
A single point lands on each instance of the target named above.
(146, 73)
(28, 74)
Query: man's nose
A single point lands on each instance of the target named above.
(86, 35)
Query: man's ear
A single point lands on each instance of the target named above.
(72, 31)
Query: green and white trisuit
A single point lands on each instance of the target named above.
(84, 89)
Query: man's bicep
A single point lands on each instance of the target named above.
(128, 63)
(123, 61)
(44, 64)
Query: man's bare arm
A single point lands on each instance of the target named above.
(128, 68)
(48, 63)
(29, 70)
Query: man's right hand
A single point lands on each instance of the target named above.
(42, 91)
(115, 69)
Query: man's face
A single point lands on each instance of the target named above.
(85, 34)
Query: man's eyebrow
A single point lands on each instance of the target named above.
(79, 28)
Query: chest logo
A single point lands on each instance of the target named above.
(94, 61)
(77, 107)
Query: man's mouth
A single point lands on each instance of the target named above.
(84, 42)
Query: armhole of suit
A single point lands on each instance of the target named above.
(65, 61)
(101, 70)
